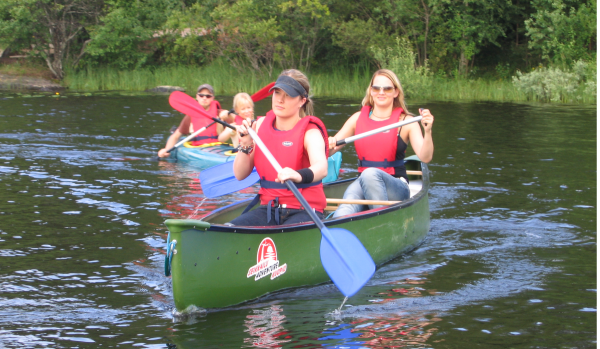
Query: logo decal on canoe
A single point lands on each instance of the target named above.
(287, 144)
(266, 261)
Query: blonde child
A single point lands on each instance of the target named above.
(244, 108)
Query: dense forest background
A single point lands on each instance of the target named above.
(526, 42)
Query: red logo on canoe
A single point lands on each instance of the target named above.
(266, 261)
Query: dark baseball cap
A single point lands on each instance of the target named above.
(207, 87)
(290, 86)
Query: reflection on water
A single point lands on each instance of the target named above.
(265, 328)
(378, 333)
(509, 261)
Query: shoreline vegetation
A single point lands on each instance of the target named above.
(337, 83)
(343, 82)
(479, 50)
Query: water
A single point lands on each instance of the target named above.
(510, 260)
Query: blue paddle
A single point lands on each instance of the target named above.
(345, 259)
(219, 180)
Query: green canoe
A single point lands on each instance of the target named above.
(214, 265)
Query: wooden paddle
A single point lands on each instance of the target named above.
(345, 259)
(259, 95)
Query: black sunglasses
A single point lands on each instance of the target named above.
(205, 96)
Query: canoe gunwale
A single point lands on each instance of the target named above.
(288, 228)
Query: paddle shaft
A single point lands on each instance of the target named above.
(378, 130)
(291, 186)
(190, 137)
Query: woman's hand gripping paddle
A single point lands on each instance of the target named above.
(345, 259)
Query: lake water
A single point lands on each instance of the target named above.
(510, 261)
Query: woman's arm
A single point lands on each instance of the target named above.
(346, 131)
(244, 163)
(422, 143)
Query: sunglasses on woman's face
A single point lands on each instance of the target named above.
(202, 95)
(386, 89)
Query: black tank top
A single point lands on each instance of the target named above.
(400, 171)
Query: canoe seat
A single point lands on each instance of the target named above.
(415, 186)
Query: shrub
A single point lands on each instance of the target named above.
(556, 85)
(415, 80)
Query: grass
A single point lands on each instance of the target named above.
(25, 67)
(342, 82)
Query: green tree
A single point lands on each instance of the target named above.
(562, 32)
(466, 26)
(129, 34)
(248, 35)
(188, 37)
(48, 26)
(401, 59)
(304, 24)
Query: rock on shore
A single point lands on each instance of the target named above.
(166, 89)
(12, 82)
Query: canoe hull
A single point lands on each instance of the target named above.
(218, 266)
(204, 156)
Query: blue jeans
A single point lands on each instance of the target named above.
(373, 184)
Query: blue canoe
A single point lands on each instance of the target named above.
(212, 154)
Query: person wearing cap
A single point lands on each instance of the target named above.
(206, 98)
(381, 157)
(298, 142)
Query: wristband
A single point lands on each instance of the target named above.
(307, 175)
(246, 150)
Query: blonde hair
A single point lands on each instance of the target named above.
(307, 108)
(241, 98)
(398, 101)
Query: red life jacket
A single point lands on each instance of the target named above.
(379, 150)
(198, 121)
(288, 149)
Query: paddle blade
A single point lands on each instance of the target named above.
(220, 180)
(262, 93)
(346, 260)
(186, 104)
